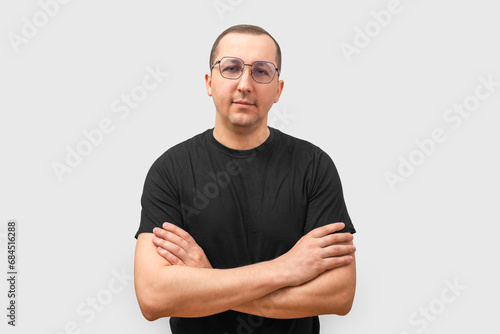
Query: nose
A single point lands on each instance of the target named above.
(246, 82)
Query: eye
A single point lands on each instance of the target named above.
(262, 70)
(231, 68)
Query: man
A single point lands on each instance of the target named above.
(249, 242)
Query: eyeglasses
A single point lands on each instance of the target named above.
(232, 68)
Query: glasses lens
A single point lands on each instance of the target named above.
(263, 71)
(231, 68)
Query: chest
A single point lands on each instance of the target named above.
(242, 213)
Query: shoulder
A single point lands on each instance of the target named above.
(176, 156)
(308, 157)
(305, 149)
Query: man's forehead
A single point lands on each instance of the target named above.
(248, 47)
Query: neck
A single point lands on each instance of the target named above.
(241, 138)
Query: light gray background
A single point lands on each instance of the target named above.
(440, 224)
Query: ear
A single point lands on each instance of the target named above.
(279, 89)
(208, 84)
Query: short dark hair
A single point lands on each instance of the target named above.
(244, 29)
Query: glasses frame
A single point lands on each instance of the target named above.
(243, 69)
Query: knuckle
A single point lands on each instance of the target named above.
(183, 234)
(173, 238)
(336, 249)
(176, 248)
(332, 239)
(347, 236)
(316, 254)
(339, 261)
(184, 244)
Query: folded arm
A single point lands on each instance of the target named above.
(329, 293)
(287, 287)
(164, 290)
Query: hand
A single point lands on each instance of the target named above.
(317, 252)
(178, 247)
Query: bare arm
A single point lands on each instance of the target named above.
(329, 293)
(165, 290)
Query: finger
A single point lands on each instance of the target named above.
(172, 248)
(172, 259)
(331, 239)
(340, 261)
(169, 236)
(327, 229)
(338, 250)
(179, 232)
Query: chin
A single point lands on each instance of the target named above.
(244, 120)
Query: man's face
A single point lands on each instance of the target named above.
(244, 102)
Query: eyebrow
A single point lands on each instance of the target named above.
(234, 58)
(265, 61)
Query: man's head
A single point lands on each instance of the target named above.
(243, 29)
(242, 101)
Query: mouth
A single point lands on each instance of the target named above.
(243, 103)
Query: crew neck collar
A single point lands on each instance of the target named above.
(242, 153)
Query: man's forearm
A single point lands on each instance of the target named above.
(194, 292)
(330, 293)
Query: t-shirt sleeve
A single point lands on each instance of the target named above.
(160, 197)
(326, 203)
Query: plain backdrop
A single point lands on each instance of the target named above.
(367, 81)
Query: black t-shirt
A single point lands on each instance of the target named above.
(243, 207)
